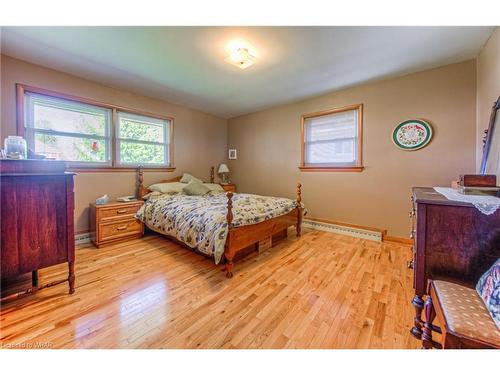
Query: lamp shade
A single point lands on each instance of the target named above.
(223, 168)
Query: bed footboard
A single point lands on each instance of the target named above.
(240, 238)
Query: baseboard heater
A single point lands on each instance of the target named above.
(366, 234)
(343, 229)
(82, 238)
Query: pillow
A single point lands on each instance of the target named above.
(186, 178)
(488, 288)
(213, 187)
(167, 187)
(195, 188)
(153, 194)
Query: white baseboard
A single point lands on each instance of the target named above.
(82, 238)
(343, 229)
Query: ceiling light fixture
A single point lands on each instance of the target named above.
(241, 58)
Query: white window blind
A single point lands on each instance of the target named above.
(331, 140)
(142, 140)
(67, 130)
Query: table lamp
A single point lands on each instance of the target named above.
(224, 170)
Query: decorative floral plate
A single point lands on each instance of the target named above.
(412, 135)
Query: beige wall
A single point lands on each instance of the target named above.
(200, 140)
(488, 86)
(268, 144)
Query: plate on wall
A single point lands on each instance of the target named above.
(412, 135)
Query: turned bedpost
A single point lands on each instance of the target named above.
(140, 182)
(298, 227)
(212, 175)
(229, 216)
(228, 252)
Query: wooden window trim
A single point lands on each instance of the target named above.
(81, 169)
(330, 169)
(333, 168)
(21, 89)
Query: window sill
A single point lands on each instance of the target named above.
(80, 169)
(330, 169)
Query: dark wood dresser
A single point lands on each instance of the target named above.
(37, 229)
(451, 241)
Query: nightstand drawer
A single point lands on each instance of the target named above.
(229, 187)
(114, 222)
(117, 213)
(115, 230)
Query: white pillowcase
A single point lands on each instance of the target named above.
(167, 187)
(213, 187)
(187, 178)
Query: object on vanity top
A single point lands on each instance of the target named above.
(484, 203)
(16, 147)
(478, 180)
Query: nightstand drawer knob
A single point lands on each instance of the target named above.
(123, 227)
(121, 211)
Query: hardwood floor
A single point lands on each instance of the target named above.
(320, 291)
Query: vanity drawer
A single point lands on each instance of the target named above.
(117, 230)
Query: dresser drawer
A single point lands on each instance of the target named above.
(115, 230)
(116, 213)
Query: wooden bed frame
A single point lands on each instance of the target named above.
(240, 239)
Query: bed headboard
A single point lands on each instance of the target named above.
(142, 190)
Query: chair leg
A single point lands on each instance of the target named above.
(430, 314)
(418, 304)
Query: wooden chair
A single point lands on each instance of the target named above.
(464, 321)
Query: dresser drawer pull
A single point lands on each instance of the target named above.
(121, 211)
(409, 264)
(123, 227)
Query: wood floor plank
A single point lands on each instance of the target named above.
(321, 290)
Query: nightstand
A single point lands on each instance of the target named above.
(114, 222)
(229, 187)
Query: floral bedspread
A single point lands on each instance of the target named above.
(200, 221)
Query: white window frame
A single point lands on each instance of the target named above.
(357, 166)
(31, 130)
(112, 163)
(167, 131)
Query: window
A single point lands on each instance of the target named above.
(67, 130)
(331, 140)
(91, 135)
(142, 140)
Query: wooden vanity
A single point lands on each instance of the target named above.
(451, 241)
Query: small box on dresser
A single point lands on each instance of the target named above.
(114, 222)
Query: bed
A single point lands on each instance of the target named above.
(221, 225)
